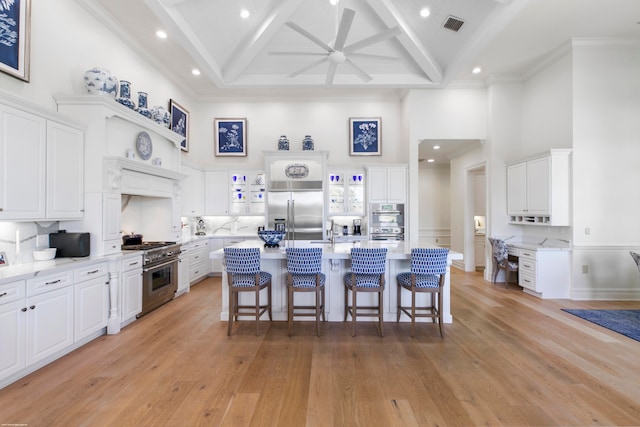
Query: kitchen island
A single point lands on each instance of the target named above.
(336, 260)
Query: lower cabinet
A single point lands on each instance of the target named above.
(91, 306)
(13, 323)
(183, 271)
(198, 260)
(543, 273)
(131, 286)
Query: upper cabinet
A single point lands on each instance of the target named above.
(42, 174)
(192, 192)
(346, 192)
(216, 197)
(247, 193)
(387, 184)
(538, 189)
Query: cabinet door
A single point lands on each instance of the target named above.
(65, 172)
(22, 165)
(49, 323)
(216, 193)
(192, 192)
(397, 185)
(91, 306)
(131, 294)
(377, 185)
(517, 188)
(538, 184)
(215, 265)
(183, 274)
(12, 333)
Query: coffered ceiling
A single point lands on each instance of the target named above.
(375, 45)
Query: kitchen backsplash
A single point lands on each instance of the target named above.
(224, 225)
(27, 233)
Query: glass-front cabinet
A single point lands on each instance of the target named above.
(346, 192)
(248, 194)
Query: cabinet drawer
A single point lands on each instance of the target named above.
(513, 251)
(197, 271)
(10, 292)
(132, 263)
(526, 265)
(527, 280)
(90, 271)
(111, 246)
(528, 254)
(48, 283)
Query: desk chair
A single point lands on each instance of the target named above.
(500, 255)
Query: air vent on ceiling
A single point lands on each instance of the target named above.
(452, 23)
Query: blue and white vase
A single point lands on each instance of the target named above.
(161, 115)
(99, 81)
(125, 95)
(142, 105)
(283, 143)
(307, 143)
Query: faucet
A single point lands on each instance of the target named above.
(332, 235)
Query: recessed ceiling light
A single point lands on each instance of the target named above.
(476, 70)
(244, 14)
(161, 34)
(436, 147)
(424, 12)
(430, 160)
(195, 72)
(333, 2)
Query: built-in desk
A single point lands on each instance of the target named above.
(543, 271)
(336, 260)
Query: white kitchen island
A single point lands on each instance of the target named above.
(336, 260)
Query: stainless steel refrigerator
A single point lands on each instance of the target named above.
(300, 205)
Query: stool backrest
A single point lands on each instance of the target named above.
(242, 260)
(368, 260)
(304, 260)
(499, 249)
(429, 260)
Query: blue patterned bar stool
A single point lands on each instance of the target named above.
(366, 275)
(304, 275)
(428, 268)
(244, 275)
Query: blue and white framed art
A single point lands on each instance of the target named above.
(230, 137)
(15, 37)
(180, 122)
(364, 136)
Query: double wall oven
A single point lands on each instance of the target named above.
(386, 221)
(159, 272)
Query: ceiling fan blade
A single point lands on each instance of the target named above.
(376, 38)
(376, 57)
(331, 73)
(343, 29)
(308, 67)
(359, 71)
(298, 53)
(310, 36)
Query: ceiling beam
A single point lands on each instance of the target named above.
(252, 46)
(389, 14)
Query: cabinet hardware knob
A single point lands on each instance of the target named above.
(23, 309)
(32, 307)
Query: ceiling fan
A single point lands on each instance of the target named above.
(339, 53)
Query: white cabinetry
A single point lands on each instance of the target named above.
(387, 184)
(183, 270)
(192, 192)
(198, 260)
(65, 171)
(111, 206)
(91, 299)
(538, 189)
(215, 265)
(131, 289)
(13, 322)
(247, 196)
(479, 250)
(216, 198)
(543, 273)
(346, 192)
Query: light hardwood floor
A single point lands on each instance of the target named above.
(508, 359)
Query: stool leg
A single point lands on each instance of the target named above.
(231, 310)
(413, 314)
(269, 301)
(290, 309)
(317, 311)
(440, 313)
(257, 310)
(346, 302)
(399, 302)
(380, 313)
(354, 310)
(324, 307)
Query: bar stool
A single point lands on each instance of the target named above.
(244, 275)
(304, 275)
(428, 268)
(366, 275)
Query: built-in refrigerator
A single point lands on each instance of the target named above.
(300, 205)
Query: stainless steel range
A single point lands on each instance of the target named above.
(159, 272)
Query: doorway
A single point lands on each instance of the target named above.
(475, 219)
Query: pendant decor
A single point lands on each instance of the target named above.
(307, 143)
(283, 143)
(99, 81)
(125, 95)
(142, 105)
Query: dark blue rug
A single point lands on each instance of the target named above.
(625, 322)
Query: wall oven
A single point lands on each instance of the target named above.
(386, 221)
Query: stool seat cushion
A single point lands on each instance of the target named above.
(422, 280)
(249, 280)
(307, 280)
(363, 280)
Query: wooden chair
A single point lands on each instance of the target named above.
(500, 255)
(244, 275)
(428, 269)
(366, 275)
(304, 275)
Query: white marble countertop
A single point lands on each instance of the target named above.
(532, 246)
(395, 249)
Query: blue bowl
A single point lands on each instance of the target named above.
(271, 237)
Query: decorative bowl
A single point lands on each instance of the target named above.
(271, 237)
(44, 254)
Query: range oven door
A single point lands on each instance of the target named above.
(159, 285)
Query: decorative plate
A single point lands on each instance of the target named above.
(144, 145)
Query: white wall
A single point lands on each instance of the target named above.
(434, 202)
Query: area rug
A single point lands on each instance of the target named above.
(625, 322)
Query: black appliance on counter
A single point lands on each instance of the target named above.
(70, 245)
(159, 272)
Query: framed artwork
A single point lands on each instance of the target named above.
(180, 122)
(3, 260)
(230, 137)
(364, 136)
(15, 38)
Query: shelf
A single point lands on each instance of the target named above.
(530, 219)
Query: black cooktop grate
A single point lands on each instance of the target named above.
(146, 246)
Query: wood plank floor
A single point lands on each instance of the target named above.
(508, 359)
